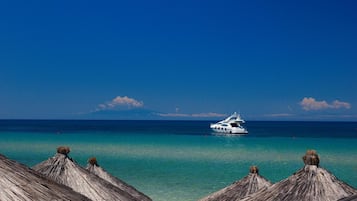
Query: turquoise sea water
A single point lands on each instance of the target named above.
(183, 161)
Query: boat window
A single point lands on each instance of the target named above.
(234, 124)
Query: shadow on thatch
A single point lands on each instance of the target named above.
(18, 182)
(239, 189)
(349, 198)
(65, 171)
(311, 183)
(94, 168)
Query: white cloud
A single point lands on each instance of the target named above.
(338, 104)
(312, 104)
(173, 115)
(120, 102)
(210, 114)
(280, 115)
(196, 115)
(127, 101)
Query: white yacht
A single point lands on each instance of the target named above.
(231, 124)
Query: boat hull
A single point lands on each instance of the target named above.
(228, 130)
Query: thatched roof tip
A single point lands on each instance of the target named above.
(309, 183)
(311, 158)
(93, 161)
(64, 170)
(249, 184)
(63, 150)
(254, 169)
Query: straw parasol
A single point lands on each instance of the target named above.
(64, 170)
(311, 183)
(94, 168)
(18, 182)
(247, 185)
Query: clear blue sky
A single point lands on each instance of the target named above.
(268, 60)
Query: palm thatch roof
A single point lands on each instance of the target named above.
(241, 188)
(94, 168)
(64, 170)
(311, 183)
(18, 182)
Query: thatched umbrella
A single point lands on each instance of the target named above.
(311, 183)
(241, 188)
(18, 182)
(64, 170)
(94, 168)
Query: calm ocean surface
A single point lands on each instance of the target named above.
(184, 160)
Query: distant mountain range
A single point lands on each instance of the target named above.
(129, 114)
(142, 114)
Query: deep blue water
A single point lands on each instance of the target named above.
(255, 128)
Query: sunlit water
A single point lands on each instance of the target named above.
(171, 166)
